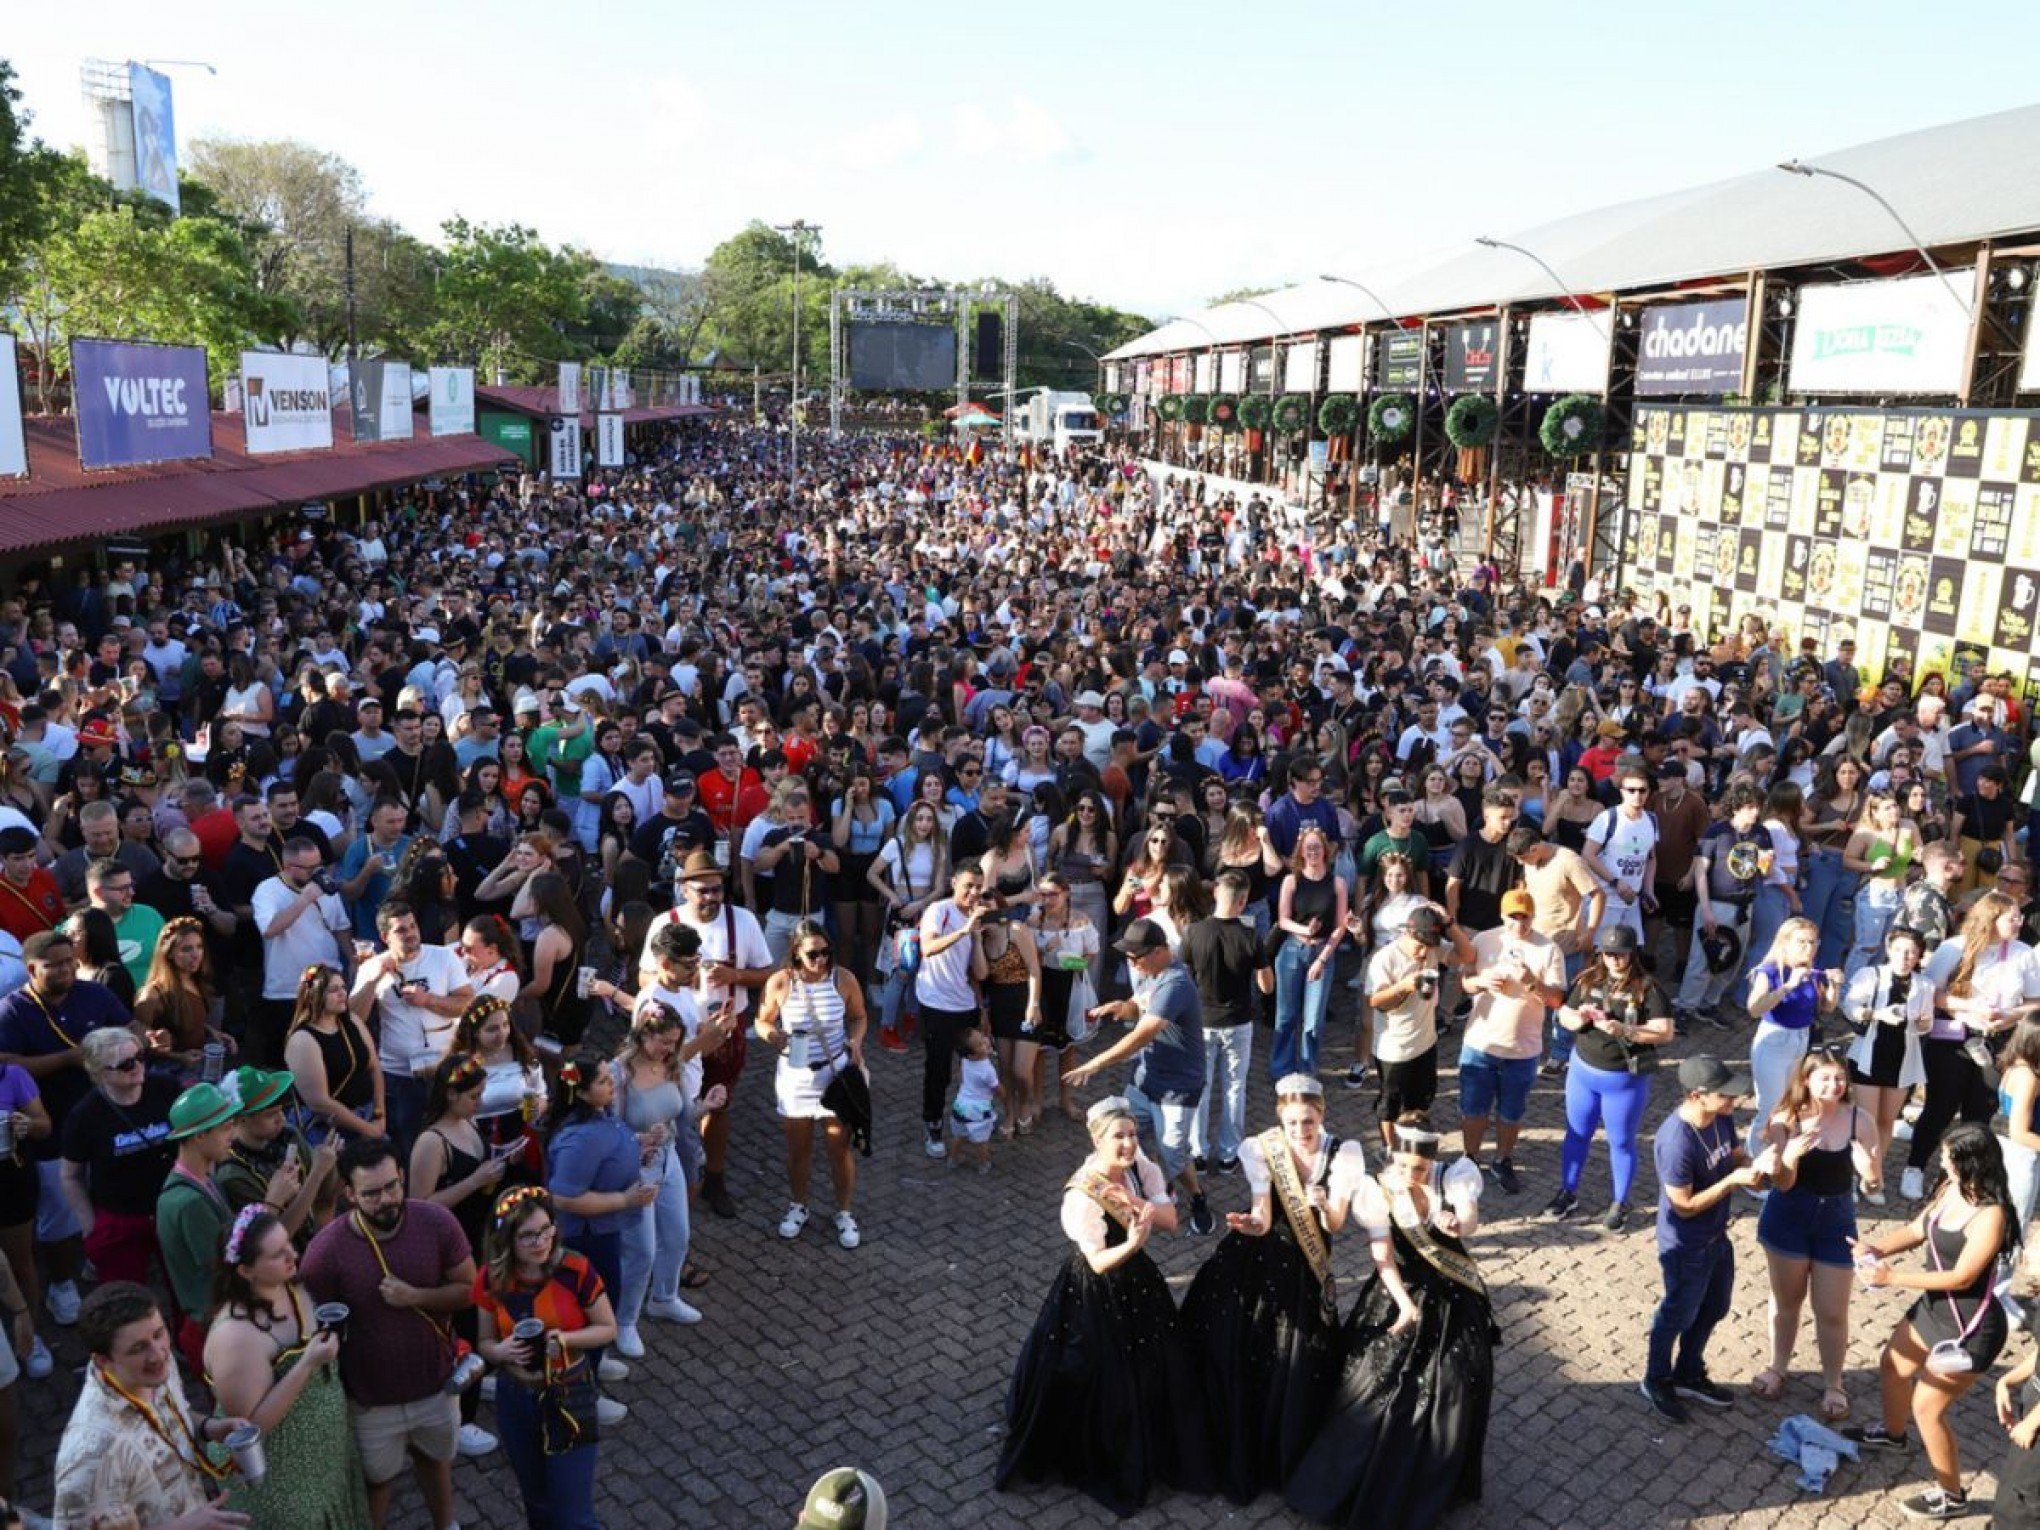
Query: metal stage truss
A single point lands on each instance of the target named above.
(923, 305)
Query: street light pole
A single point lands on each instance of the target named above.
(1800, 167)
(797, 231)
(1564, 290)
(1347, 281)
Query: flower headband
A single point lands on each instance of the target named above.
(514, 1201)
(570, 1074)
(239, 1232)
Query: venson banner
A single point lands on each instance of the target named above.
(286, 405)
(140, 403)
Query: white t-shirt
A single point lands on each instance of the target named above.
(1625, 844)
(313, 938)
(944, 979)
(1512, 1025)
(980, 1083)
(684, 1004)
(410, 1031)
(2007, 972)
(751, 952)
(917, 880)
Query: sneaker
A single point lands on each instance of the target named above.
(1201, 1220)
(1201, 1164)
(1562, 1207)
(1912, 1184)
(846, 1230)
(934, 1146)
(671, 1309)
(40, 1361)
(1664, 1402)
(609, 1412)
(1877, 1437)
(1901, 1130)
(62, 1300)
(1356, 1076)
(1550, 1069)
(794, 1220)
(1505, 1175)
(1875, 1197)
(1719, 1019)
(1617, 1217)
(612, 1369)
(474, 1440)
(1704, 1391)
(890, 1038)
(628, 1344)
(1936, 1503)
(486, 1392)
(1228, 1166)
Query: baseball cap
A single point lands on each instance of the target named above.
(844, 1499)
(1618, 938)
(1142, 937)
(1710, 1075)
(1178, 656)
(1427, 925)
(680, 781)
(1517, 900)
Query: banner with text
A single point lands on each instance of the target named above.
(1398, 359)
(1299, 367)
(1470, 357)
(565, 457)
(452, 410)
(286, 405)
(1346, 364)
(609, 440)
(570, 388)
(1568, 353)
(140, 403)
(1905, 336)
(1692, 348)
(381, 399)
(155, 135)
(13, 444)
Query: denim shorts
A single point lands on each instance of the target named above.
(1165, 1126)
(1802, 1226)
(1495, 1086)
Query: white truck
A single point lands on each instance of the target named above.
(1057, 419)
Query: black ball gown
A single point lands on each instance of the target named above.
(1104, 1396)
(1265, 1331)
(1404, 1440)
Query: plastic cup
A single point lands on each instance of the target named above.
(6, 1134)
(465, 1374)
(245, 1445)
(529, 1334)
(363, 950)
(332, 1316)
(584, 979)
(214, 1062)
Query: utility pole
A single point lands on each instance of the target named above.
(797, 231)
(350, 294)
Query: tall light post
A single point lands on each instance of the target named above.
(797, 231)
(1800, 167)
(1371, 295)
(1564, 290)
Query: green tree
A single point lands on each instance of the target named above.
(748, 282)
(506, 300)
(33, 179)
(613, 307)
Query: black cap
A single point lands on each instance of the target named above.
(1701, 1074)
(1142, 937)
(679, 781)
(1618, 938)
(1426, 925)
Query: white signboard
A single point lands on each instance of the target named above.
(570, 388)
(453, 401)
(565, 459)
(2029, 373)
(1905, 336)
(609, 440)
(1232, 371)
(13, 444)
(1568, 353)
(1206, 370)
(1346, 364)
(1299, 368)
(394, 421)
(286, 402)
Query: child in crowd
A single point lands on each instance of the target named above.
(975, 1112)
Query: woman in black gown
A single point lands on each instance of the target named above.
(1404, 1440)
(1262, 1317)
(1104, 1396)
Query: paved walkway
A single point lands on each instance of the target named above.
(895, 1356)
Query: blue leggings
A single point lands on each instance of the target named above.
(1593, 1095)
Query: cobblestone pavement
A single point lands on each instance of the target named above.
(895, 1356)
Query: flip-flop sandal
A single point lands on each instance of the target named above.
(693, 1278)
(1768, 1385)
(1834, 1405)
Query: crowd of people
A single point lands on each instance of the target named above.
(389, 916)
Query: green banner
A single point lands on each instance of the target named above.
(512, 432)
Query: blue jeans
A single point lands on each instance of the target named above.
(1299, 1009)
(605, 1252)
(1594, 1095)
(558, 1491)
(1829, 886)
(655, 1243)
(404, 1098)
(1699, 1284)
(1490, 1086)
(1228, 1053)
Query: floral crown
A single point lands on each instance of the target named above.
(515, 1201)
(238, 1233)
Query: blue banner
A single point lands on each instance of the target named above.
(155, 135)
(139, 403)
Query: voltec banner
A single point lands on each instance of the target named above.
(565, 457)
(139, 403)
(1399, 359)
(609, 440)
(1692, 348)
(13, 444)
(1568, 353)
(381, 397)
(570, 388)
(1470, 357)
(285, 403)
(1904, 336)
(453, 401)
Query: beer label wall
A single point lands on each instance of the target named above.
(1916, 532)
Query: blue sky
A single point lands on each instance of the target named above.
(1145, 155)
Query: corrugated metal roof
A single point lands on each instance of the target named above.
(542, 403)
(1955, 184)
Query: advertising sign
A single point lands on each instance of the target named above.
(1470, 357)
(1568, 353)
(1346, 364)
(609, 440)
(1232, 372)
(1905, 336)
(2029, 370)
(564, 459)
(155, 135)
(13, 444)
(140, 403)
(1299, 368)
(1692, 348)
(570, 388)
(286, 404)
(1399, 359)
(453, 401)
(381, 398)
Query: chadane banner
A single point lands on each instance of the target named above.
(13, 444)
(1470, 357)
(1693, 348)
(453, 401)
(285, 405)
(139, 403)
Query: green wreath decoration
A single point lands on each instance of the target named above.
(1337, 415)
(1171, 407)
(1291, 413)
(1574, 426)
(1256, 410)
(1392, 417)
(1224, 413)
(1197, 408)
(1472, 421)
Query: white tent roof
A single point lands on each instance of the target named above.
(1955, 184)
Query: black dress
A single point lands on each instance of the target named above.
(1104, 1396)
(1266, 1339)
(1404, 1440)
